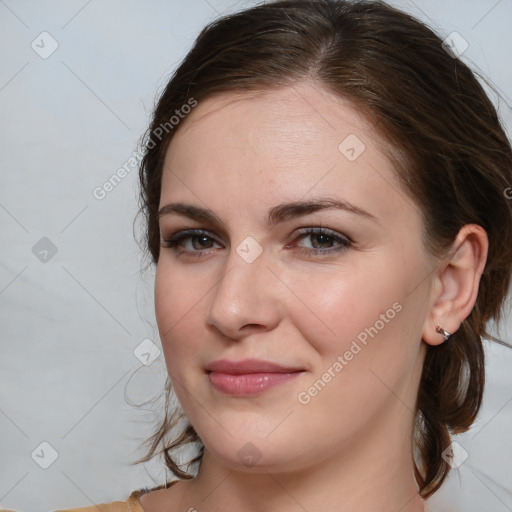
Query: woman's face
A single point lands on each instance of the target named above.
(258, 175)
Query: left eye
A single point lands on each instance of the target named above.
(323, 241)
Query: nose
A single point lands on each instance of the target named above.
(246, 299)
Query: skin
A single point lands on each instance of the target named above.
(349, 447)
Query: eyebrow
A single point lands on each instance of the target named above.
(276, 214)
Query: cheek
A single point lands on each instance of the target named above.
(177, 306)
(167, 306)
(332, 307)
(361, 325)
(363, 332)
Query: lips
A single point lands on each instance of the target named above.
(247, 366)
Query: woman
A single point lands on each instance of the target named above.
(325, 191)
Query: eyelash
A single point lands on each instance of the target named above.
(343, 241)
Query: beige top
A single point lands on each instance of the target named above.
(132, 504)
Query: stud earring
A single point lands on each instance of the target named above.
(443, 333)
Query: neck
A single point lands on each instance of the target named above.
(374, 472)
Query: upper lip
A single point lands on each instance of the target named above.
(248, 366)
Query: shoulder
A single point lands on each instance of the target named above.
(132, 504)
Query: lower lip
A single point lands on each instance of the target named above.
(248, 383)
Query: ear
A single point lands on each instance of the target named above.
(455, 284)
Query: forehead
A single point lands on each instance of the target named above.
(279, 144)
(299, 109)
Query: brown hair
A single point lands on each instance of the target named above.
(449, 150)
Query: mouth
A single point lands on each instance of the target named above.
(249, 383)
(249, 376)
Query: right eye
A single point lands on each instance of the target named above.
(192, 243)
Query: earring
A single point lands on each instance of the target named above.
(443, 333)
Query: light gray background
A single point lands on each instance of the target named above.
(69, 326)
